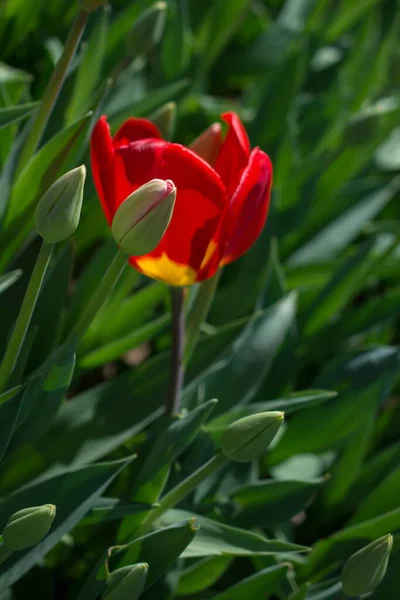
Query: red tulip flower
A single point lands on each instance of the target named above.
(221, 205)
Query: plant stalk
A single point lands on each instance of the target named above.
(101, 294)
(198, 313)
(52, 90)
(178, 341)
(181, 491)
(25, 314)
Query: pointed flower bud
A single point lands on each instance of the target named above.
(365, 569)
(58, 211)
(147, 30)
(248, 438)
(91, 5)
(141, 220)
(126, 583)
(208, 144)
(164, 118)
(28, 526)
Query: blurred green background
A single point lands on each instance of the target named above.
(314, 305)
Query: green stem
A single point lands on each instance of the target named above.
(198, 314)
(4, 553)
(178, 339)
(25, 314)
(101, 294)
(52, 90)
(183, 489)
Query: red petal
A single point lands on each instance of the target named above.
(133, 130)
(208, 144)
(248, 208)
(234, 154)
(102, 159)
(200, 201)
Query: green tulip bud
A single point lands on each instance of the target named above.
(248, 438)
(147, 30)
(126, 583)
(365, 569)
(91, 5)
(58, 211)
(141, 220)
(165, 118)
(28, 526)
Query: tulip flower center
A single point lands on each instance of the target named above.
(167, 270)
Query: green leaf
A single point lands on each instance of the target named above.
(121, 314)
(363, 135)
(74, 493)
(177, 41)
(290, 403)
(33, 181)
(217, 539)
(329, 552)
(160, 549)
(150, 101)
(278, 96)
(169, 445)
(43, 170)
(43, 395)
(269, 503)
(8, 279)
(86, 429)
(376, 467)
(88, 280)
(202, 574)
(49, 310)
(117, 348)
(382, 499)
(89, 70)
(339, 232)
(9, 409)
(261, 584)
(239, 372)
(13, 114)
(346, 17)
(110, 509)
(345, 282)
(363, 381)
(348, 464)
(220, 23)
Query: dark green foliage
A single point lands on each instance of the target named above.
(306, 323)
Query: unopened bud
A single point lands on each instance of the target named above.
(365, 569)
(91, 5)
(164, 118)
(126, 583)
(141, 220)
(248, 438)
(208, 144)
(59, 209)
(147, 30)
(28, 526)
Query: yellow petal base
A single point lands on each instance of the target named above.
(164, 269)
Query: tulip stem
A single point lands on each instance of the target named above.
(16, 342)
(101, 294)
(182, 490)
(52, 90)
(178, 340)
(198, 313)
